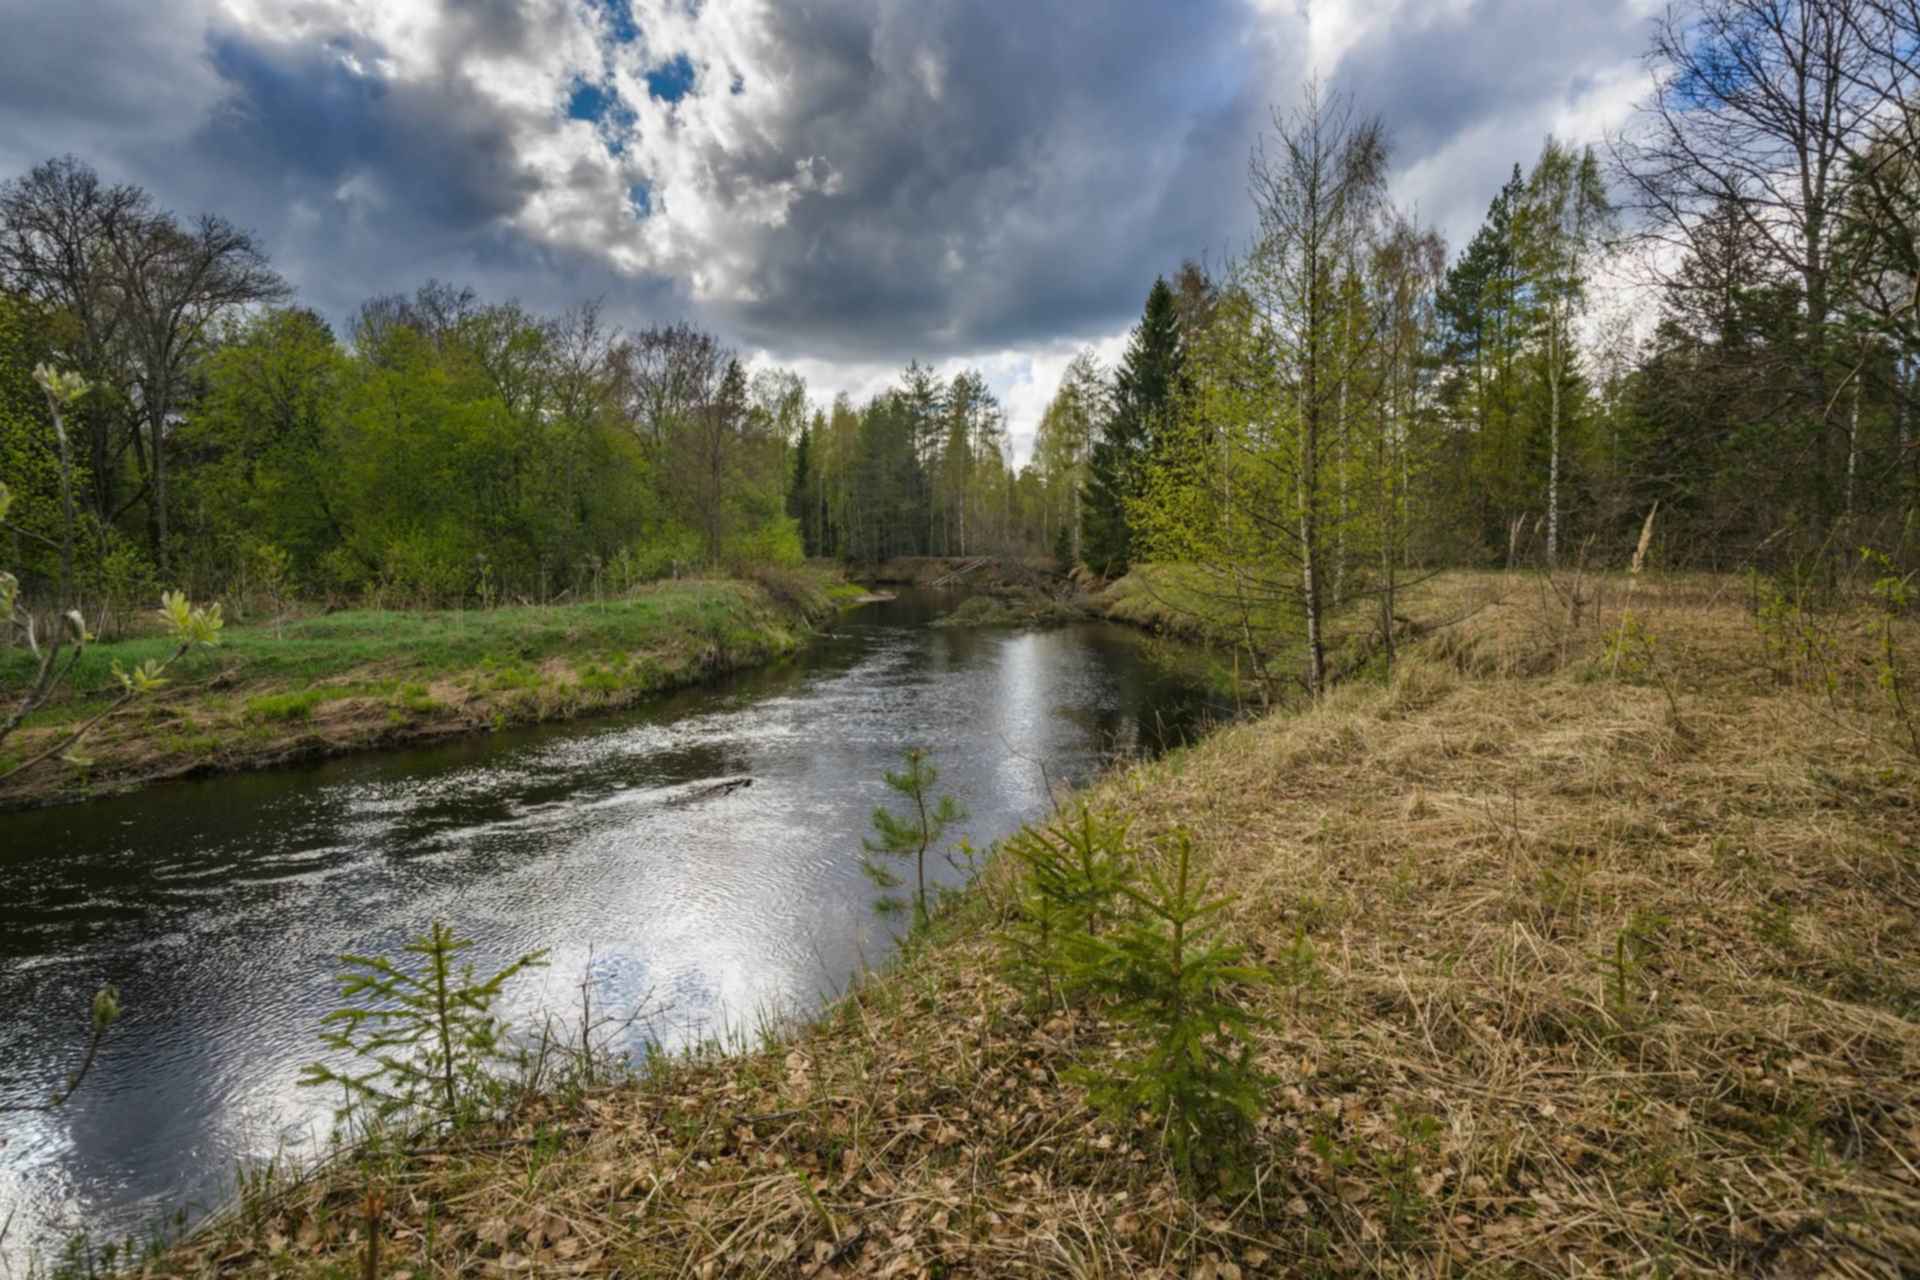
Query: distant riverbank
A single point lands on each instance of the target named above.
(363, 679)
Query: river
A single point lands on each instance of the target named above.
(218, 907)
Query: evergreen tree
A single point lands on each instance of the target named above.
(909, 835)
(799, 494)
(1144, 395)
(1480, 309)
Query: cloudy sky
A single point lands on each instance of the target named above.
(834, 185)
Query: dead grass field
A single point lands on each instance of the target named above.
(1615, 972)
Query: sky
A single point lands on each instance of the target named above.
(836, 186)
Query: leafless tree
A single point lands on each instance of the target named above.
(1762, 107)
(141, 295)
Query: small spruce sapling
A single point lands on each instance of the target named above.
(1072, 874)
(911, 834)
(427, 1037)
(1171, 974)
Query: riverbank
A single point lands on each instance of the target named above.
(363, 679)
(1604, 939)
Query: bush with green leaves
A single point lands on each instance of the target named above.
(1893, 593)
(910, 834)
(191, 627)
(424, 1040)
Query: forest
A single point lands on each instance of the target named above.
(1711, 314)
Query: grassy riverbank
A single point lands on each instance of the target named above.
(1604, 959)
(361, 679)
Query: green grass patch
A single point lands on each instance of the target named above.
(403, 645)
(415, 698)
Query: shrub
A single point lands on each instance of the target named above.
(1103, 921)
(775, 542)
(1071, 878)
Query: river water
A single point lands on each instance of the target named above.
(218, 907)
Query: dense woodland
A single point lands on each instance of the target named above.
(1712, 313)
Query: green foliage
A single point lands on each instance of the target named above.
(1090, 917)
(1631, 649)
(188, 628)
(423, 1040)
(415, 699)
(1072, 875)
(910, 834)
(1796, 628)
(1144, 399)
(1893, 592)
(1167, 970)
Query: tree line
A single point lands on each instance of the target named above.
(1340, 404)
(1348, 404)
(443, 448)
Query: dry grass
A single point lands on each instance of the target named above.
(1613, 976)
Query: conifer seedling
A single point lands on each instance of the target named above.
(910, 834)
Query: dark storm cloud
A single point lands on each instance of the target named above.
(377, 184)
(1004, 176)
(968, 176)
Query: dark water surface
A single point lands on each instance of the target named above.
(218, 907)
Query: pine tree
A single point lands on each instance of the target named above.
(1144, 395)
(910, 836)
(800, 494)
(1480, 312)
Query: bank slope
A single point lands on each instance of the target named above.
(1615, 972)
(364, 679)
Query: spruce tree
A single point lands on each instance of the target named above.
(799, 505)
(1480, 311)
(1144, 394)
(911, 834)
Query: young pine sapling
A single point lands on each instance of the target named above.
(428, 1036)
(910, 834)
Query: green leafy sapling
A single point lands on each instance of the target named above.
(190, 627)
(922, 826)
(425, 1038)
(1893, 591)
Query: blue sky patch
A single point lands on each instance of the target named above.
(620, 23)
(590, 102)
(640, 196)
(672, 80)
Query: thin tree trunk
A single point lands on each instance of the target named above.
(157, 498)
(1853, 446)
(1310, 549)
(1554, 358)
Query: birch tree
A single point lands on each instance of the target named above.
(1564, 222)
